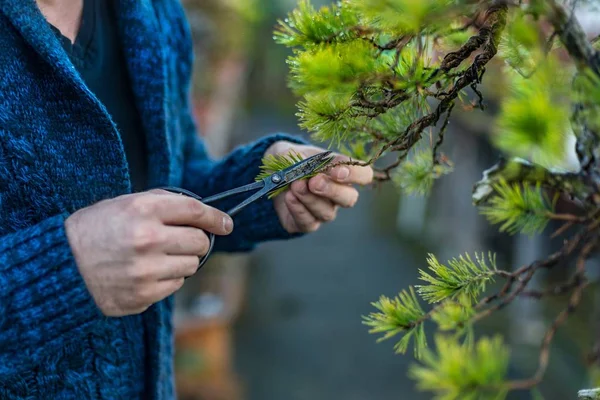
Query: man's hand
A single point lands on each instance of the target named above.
(311, 202)
(135, 250)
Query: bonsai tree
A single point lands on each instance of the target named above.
(381, 78)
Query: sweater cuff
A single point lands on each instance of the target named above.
(43, 295)
(259, 222)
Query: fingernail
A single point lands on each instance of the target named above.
(343, 173)
(227, 224)
(320, 185)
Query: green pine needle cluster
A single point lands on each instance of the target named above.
(458, 371)
(308, 27)
(521, 45)
(534, 117)
(463, 276)
(518, 208)
(340, 67)
(405, 16)
(400, 315)
(455, 315)
(416, 176)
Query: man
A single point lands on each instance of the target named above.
(94, 112)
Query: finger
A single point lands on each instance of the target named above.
(177, 209)
(164, 289)
(183, 240)
(304, 220)
(351, 173)
(342, 195)
(344, 173)
(321, 208)
(176, 267)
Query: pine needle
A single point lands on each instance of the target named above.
(455, 371)
(417, 175)
(401, 314)
(462, 276)
(520, 209)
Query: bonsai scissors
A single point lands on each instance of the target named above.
(265, 186)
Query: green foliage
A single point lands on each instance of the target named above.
(518, 208)
(521, 45)
(461, 277)
(341, 67)
(328, 115)
(417, 175)
(370, 80)
(455, 316)
(457, 371)
(402, 314)
(414, 70)
(308, 27)
(534, 117)
(403, 16)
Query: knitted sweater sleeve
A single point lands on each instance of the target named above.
(43, 298)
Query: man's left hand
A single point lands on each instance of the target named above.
(309, 203)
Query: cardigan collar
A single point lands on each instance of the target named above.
(144, 54)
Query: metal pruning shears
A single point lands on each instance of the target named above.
(266, 186)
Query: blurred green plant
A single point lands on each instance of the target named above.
(381, 78)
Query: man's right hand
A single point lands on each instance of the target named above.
(135, 250)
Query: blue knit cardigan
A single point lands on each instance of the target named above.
(60, 151)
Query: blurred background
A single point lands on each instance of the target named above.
(284, 323)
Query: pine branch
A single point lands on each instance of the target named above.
(573, 37)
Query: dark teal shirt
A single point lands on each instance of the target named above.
(99, 59)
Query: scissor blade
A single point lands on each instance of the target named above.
(306, 167)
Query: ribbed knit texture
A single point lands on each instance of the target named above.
(59, 152)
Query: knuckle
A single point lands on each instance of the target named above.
(329, 215)
(144, 237)
(178, 284)
(300, 188)
(141, 205)
(203, 243)
(291, 200)
(196, 209)
(159, 191)
(136, 275)
(217, 220)
(191, 267)
(318, 184)
(143, 296)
